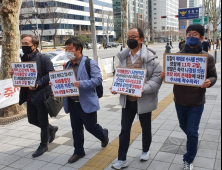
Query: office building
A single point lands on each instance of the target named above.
(74, 19)
(137, 15)
(164, 29)
(183, 24)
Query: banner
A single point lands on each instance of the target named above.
(25, 74)
(63, 83)
(129, 81)
(9, 94)
(185, 69)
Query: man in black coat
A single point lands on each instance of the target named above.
(206, 45)
(34, 96)
(181, 42)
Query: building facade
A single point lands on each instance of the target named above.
(137, 15)
(71, 18)
(164, 29)
(183, 24)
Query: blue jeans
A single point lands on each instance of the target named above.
(189, 118)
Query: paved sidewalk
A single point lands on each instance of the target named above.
(19, 140)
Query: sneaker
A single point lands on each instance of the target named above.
(188, 166)
(120, 165)
(145, 156)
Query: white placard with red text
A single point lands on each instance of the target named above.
(9, 94)
(25, 74)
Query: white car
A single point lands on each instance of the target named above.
(58, 59)
(99, 46)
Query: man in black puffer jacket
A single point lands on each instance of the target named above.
(34, 96)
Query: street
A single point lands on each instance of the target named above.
(159, 48)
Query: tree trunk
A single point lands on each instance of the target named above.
(124, 6)
(9, 15)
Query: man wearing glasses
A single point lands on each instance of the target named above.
(190, 100)
(138, 56)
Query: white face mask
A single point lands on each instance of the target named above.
(70, 56)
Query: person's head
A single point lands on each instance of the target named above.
(168, 43)
(29, 43)
(206, 38)
(195, 34)
(135, 38)
(74, 49)
(181, 40)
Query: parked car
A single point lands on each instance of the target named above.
(58, 59)
(112, 44)
(98, 46)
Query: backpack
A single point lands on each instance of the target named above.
(99, 89)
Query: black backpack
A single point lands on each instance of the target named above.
(99, 89)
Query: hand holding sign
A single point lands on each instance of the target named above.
(63, 83)
(129, 81)
(24, 74)
(186, 69)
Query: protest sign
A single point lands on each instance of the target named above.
(185, 69)
(129, 81)
(63, 83)
(9, 95)
(25, 74)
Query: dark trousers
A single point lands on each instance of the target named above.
(128, 116)
(38, 116)
(78, 119)
(189, 118)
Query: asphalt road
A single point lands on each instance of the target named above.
(159, 48)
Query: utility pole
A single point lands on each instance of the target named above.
(203, 7)
(93, 29)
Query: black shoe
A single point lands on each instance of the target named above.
(52, 133)
(40, 151)
(105, 143)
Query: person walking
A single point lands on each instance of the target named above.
(168, 48)
(190, 101)
(171, 43)
(138, 56)
(206, 45)
(34, 96)
(181, 42)
(83, 109)
(218, 42)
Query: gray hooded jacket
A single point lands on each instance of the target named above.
(149, 100)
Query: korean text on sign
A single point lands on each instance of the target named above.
(129, 81)
(9, 95)
(63, 83)
(185, 69)
(25, 74)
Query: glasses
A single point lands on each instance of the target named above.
(194, 35)
(132, 37)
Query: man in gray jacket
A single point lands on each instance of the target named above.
(138, 56)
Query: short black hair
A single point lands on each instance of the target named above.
(196, 27)
(141, 34)
(168, 43)
(205, 38)
(35, 39)
(76, 43)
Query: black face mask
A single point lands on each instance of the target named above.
(132, 44)
(27, 49)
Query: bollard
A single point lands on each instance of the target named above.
(215, 55)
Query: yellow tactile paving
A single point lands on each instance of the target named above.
(107, 155)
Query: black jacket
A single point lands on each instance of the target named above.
(206, 46)
(37, 96)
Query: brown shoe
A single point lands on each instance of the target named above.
(75, 158)
(105, 143)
